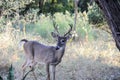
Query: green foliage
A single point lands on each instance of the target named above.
(84, 29)
(10, 7)
(58, 6)
(83, 5)
(94, 14)
(11, 73)
(44, 26)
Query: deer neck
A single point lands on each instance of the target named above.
(60, 52)
(60, 48)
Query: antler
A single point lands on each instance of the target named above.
(69, 30)
(55, 27)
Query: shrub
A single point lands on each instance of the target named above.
(94, 14)
(43, 25)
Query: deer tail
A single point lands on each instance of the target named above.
(22, 42)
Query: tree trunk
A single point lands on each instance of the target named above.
(41, 2)
(111, 10)
(76, 12)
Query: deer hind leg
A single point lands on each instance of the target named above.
(34, 75)
(33, 70)
(30, 64)
(24, 66)
(26, 75)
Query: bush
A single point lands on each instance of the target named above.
(94, 14)
(43, 25)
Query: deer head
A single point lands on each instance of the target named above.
(61, 40)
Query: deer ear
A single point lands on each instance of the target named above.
(54, 35)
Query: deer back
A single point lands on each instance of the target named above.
(42, 53)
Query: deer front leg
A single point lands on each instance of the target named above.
(53, 67)
(48, 72)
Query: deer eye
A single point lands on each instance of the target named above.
(62, 40)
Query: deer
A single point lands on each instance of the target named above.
(51, 56)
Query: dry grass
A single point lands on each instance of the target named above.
(97, 60)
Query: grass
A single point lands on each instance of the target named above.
(88, 60)
(95, 59)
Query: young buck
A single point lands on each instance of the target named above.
(36, 52)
